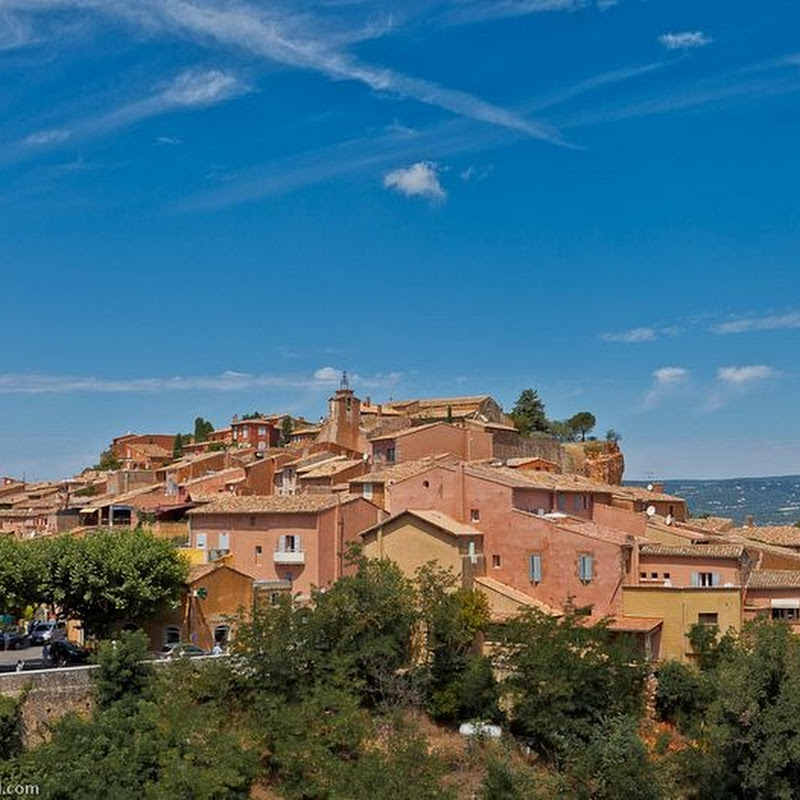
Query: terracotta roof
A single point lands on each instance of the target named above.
(274, 504)
(229, 473)
(200, 571)
(645, 494)
(774, 578)
(594, 530)
(696, 551)
(782, 535)
(407, 431)
(330, 468)
(150, 449)
(518, 462)
(515, 595)
(521, 479)
(436, 518)
(470, 400)
(405, 469)
(635, 624)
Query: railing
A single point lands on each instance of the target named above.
(289, 557)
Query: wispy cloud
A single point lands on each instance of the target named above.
(230, 381)
(476, 173)
(632, 336)
(418, 180)
(740, 376)
(666, 381)
(479, 10)
(192, 88)
(685, 40)
(40, 138)
(297, 40)
(171, 140)
(767, 323)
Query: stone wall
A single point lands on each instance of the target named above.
(49, 695)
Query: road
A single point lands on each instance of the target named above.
(12, 656)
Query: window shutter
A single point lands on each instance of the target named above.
(695, 579)
(297, 547)
(535, 568)
(715, 579)
(282, 544)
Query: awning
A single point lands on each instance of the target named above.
(786, 602)
(635, 624)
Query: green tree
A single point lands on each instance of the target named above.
(177, 447)
(20, 576)
(287, 426)
(110, 576)
(202, 429)
(613, 436)
(566, 677)
(123, 673)
(583, 422)
(528, 413)
(563, 430)
(108, 462)
(10, 728)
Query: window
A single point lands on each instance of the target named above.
(535, 567)
(259, 551)
(585, 568)
(474, 515)
(653, 574)
(390, 454)
(200, 541)
(426, 484)
(666, 576)
(643, 575)
(705, 579)
(708, 619)
(367, 492)
(224, 541)
(786, 614)
(222, 634)
(576, 502)
(561, 502)
(172, 634)
(496, 560)
(262, 431)
(289, 544)
(252, 522)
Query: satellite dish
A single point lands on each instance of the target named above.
(651, 511)
(649, 487)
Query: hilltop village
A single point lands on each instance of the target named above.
(270, 506)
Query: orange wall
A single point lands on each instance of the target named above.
(622, 519)
(680, 569)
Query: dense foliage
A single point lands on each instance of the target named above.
(530, 418)
(108, 577)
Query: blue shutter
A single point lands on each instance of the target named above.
(695, 579)
(535, 567)
(715, 581)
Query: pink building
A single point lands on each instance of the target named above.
(412, 444)
(300, 538)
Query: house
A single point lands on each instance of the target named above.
(260, 433)
(412, 444)
(149, 451)
(216, 596)
(297, 538)
(447, 409)
(333, 472)
(533, 464)
(651, 499)
(774, 594)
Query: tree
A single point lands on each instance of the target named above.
(110, 576)
(562, 430)
(583, 422)
(108, 462)
(20, 576)
(565, 678)
(202, 429)
(177, 447)
(613, 436)
(528, 413)
(287, 426)
(122, 673)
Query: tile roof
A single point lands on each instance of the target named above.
(782, 535)
(635, 624)
(695, 551)
(405, 469)
(515, 595)
(436, 518)
(273, 504)
(330, 468)
(645, 494)
(518, 462)
(774, 579)
(522, 479)
(406, 431)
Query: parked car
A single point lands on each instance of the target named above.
(50, 631)
(181, 650)
(13, 640)
(64, 653)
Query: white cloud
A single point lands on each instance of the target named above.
(685, 40)
(739, 376)
(768, 323)
(473, 173)
(230, 381)
(201, 87)
(632, 336)
(669, 376)
(300, 40)
(327, 374)
(173, 140)
(418, 180)
(47, 137)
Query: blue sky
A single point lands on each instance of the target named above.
(210, 207)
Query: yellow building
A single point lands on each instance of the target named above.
(681, 607)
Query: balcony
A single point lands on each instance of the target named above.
(289, 557)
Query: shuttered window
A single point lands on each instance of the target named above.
(585, 568)
(535, 567)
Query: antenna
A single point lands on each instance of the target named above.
(344, 383)
(650, 511)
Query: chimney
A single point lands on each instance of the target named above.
(658, 488)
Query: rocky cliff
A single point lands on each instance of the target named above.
(600, 461)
